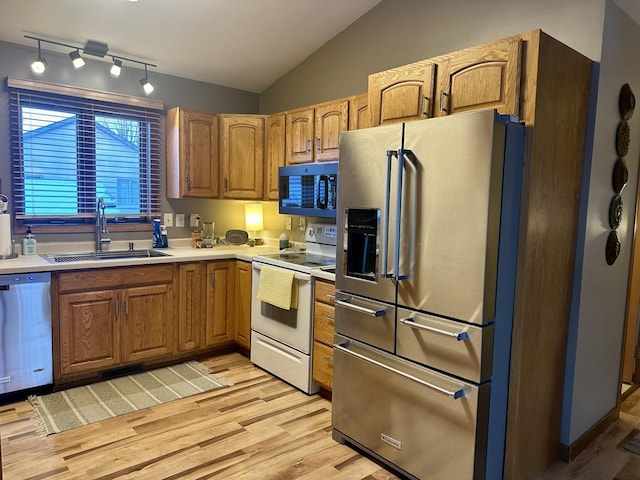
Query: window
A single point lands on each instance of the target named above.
(71, 146)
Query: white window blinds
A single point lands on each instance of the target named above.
(70, 147)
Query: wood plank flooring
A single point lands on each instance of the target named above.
(260, 428)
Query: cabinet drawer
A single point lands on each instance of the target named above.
(325, 292)
(324, 323)
(99, 278)
(323, 365)
(458, 348)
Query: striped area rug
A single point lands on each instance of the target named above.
(75, 407)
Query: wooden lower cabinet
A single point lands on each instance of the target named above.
(111, 317)
(242, 330)
(323, 331)
(219, 302)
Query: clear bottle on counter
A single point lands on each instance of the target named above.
(164, 239)
(207, 234)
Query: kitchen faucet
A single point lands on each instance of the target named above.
(101, 225)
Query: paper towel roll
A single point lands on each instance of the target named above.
(5, 234)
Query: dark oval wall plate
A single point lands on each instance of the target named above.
(622, 138)
(612, 249)
(626, 102)
(615, 212)
(620, 175)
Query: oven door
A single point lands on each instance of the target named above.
(290, 327)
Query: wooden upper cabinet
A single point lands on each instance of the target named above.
(359, 112)
(487, 76)
(192, 154)
(403, 93)
(331, 118)
(313, 133)
(242, 156)
(274, 154)
(299, 136)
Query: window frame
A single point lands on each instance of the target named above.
(148, 109)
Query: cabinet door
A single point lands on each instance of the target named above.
(192, 154)
(359, 113)
(242, 156)
(331, 118)
(147, 322)
(242, 330)
(219, 288)
(299, 135)
(481, 77)
(89, 331)
(189, 300)
(402, 94)
(274, 157)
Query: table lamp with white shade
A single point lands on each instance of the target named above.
(254, 221)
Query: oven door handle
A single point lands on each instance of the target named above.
(453, 394)
(367, 311)
(298, 276)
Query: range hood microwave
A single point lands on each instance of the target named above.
(309, 190)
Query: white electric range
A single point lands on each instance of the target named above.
(282, 340)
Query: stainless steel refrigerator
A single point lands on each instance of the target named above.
(428, 216)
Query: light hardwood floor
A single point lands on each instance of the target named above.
(260, 428)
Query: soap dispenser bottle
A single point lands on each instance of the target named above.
(29, 243)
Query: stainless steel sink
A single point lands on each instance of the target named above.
(112, 255)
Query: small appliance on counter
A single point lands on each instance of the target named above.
(7, 245)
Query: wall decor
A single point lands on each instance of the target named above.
(622, 138)
(620, 175)
(626, 102)
(615, 212)
(613, 247)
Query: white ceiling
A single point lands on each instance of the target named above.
(245, 44)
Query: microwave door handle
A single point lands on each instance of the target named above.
(385, 229)
(322, 203)
(406, 158)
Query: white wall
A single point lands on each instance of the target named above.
(597, 321)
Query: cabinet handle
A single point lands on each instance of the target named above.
(332, 319)
(117, 308)
(212, 278)
(308, 145)
(188, 181)
(328, 359)
(318, 144)
(225, 184)
(425, 109)
(126, 307)
(331, 295)
(442, 96)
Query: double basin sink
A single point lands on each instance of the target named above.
(107, 255)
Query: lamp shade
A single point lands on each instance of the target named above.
(253, 216)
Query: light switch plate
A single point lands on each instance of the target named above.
(168, 220)
(193, 220)
(179, 219)
(288, 223)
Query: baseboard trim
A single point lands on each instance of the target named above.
(568, 453)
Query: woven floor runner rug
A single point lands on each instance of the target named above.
(80, 406)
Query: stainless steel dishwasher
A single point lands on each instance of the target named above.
(26, 355)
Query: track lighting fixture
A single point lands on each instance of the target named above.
(146, 84)
(39, 65)
(96, 49)
(116, 68)
(76, 59)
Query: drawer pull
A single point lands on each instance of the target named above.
(328, 359)
(331, 295)
(331, 319)
(359, 309)
(453, 394)
(459, 336)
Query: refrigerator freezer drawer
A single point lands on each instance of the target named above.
(284, 362)
(458, 348)
(408, 415)
(367, 321)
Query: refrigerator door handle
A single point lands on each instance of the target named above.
(385, 231)
(453, 394)
(406, 157)
(459, 336)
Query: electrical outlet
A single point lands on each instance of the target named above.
(168, 219)
(193, 219)
(302, 223)
(288, 223)
(179, 219)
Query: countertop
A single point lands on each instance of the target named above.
(182, 252)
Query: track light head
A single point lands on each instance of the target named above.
(116, 68)
(146, 84)
(39, 65)
(78, 61)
